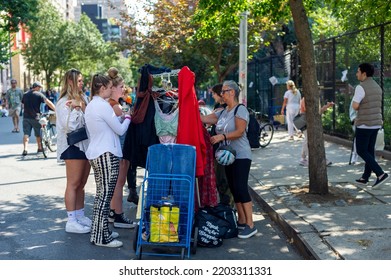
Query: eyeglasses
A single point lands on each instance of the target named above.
(225, 90)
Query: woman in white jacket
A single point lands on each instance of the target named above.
(104, 153)
(69, 117)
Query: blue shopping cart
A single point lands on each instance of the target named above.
(167, 204)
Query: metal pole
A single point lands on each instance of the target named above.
(10, 67)
(243, 58)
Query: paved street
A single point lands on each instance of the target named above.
(32, 215)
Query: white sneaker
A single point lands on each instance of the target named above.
(75, 227)
(85, 221)
(114, 234)
(113, 244)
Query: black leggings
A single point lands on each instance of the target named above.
(237, 176)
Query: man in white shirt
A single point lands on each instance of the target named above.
(367, 101)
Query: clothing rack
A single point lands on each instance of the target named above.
(171, 73)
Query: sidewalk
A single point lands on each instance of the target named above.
(353, 223)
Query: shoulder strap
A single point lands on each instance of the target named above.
(237, 107)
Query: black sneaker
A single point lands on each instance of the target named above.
(362, 181)
(133, 196)
(111, 216)
(381, 179)
(120, 221)
(24, 153)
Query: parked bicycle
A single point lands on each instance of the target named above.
(266, 128)
(48, 132)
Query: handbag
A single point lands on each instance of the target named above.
(77, 135)
(300, 122)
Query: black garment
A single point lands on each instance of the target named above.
(32, 104)
(73, 152)
(131, 177)
(154, 70)
(141, 135)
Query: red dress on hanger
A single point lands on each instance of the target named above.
(189, 122)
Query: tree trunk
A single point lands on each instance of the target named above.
(317, 159)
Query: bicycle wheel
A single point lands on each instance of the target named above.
(43, 141)
(267, 131)
(52, 138)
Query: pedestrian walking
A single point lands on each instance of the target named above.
(304, 146)
(13, 102)
(32, 101)
(291, 102)
(367, 101)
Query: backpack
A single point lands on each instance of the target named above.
(229, 214)
(253, 130)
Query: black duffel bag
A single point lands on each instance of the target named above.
(211, 228)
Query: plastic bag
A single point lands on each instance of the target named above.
(379, 146)
(164, 223)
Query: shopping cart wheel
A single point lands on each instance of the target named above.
(193, 243)
(135, 237)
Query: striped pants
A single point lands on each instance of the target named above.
(106, 168)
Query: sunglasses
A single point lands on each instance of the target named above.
(225, 90)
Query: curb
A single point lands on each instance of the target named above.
(293, 236)
(348, 143)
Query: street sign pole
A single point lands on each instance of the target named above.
(243, 58)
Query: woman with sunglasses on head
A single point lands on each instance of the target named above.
(69, 117)
(231, 124)
(104, 153)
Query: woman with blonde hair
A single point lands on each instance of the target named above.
(69, 117)
(292, 99)
(116, 214)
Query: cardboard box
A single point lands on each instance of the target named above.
(279, 118)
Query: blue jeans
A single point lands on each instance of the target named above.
(365, 144)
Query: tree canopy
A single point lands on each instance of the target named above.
(12, 15)
(65, 45)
